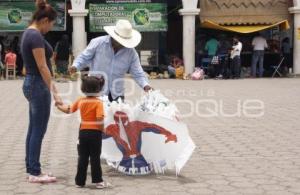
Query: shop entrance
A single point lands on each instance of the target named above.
(272, 55)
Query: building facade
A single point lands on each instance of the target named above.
(282, 9)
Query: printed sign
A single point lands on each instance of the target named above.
(16, 16)
(145, 17)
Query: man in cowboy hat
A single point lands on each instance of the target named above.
(113, 56)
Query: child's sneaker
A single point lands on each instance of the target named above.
(41, 179)
(103, 185)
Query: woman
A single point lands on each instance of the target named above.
(38, 86)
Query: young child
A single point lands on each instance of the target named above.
(90, 133)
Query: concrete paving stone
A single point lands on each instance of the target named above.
(295, 184)
(227, 193)
(195, 185)
(52, 192)
(237, 179)
(178, 188)
(272, 187)
(54, 186)
(201, 191)
(243, 184)
(103, 192)
(265, 181)
(234, 173)
(7, 187)
(217, 182)
(74, 190)
(28, 190)
(279, 193)
(286, 178)
(7, 193)
(294, 190)
(221, 188)
(251, 191)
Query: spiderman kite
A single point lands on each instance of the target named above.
(128, 137)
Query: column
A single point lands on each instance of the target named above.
(189, 12)
(296, 12)
(79, 36)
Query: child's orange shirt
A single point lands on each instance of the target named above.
(91, 111)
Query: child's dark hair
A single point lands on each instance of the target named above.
(43, 10)
(92, 85)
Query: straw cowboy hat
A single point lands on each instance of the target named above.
(124, 34)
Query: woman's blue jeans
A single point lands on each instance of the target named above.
(39, 98)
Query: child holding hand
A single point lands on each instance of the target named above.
(90, 133)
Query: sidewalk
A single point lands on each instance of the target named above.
(234, 155)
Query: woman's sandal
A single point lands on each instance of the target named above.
(42, 174)
(41, 179)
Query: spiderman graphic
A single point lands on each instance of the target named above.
(128, 137)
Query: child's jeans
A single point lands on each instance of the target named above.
(39, 98)
(90, 144)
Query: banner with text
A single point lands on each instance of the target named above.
(15, 16)
(145, 17)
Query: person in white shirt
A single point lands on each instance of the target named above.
(235, 56)
(259, 44)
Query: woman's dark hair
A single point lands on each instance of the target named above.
(43, 10)
(92, 85)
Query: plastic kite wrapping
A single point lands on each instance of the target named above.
(146, 137)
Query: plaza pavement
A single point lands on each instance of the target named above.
(234, 155)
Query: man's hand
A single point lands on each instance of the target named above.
(72, 69)
(147, 88)
(171, 137)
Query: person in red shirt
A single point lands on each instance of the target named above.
(10, 58)
(91, 128)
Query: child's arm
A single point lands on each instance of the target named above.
(64, 108)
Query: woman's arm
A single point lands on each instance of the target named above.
(40, 59)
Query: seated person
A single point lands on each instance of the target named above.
(176, 62)
(10, 58)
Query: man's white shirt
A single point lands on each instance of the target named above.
(259, 43)
(236, 50)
